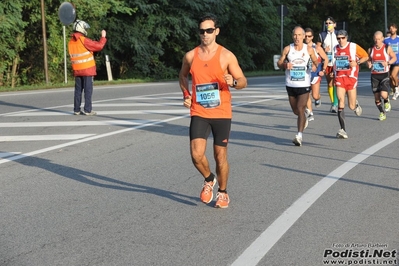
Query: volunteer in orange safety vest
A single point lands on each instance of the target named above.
(81, 51)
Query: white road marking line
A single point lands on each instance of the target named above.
(261, 246)
(274, 97)
(99, 113)
(95, 102)
(147, 97)
(43, 137)
(76, 123)
(53, 112)
(258, 101)
(7, 154)
(270, 85)
(71, 89)
(97, 105)
(20, 156)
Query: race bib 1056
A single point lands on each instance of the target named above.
(208, 95)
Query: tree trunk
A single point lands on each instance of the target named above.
(14, 71)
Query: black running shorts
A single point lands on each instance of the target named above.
(380, 82)
(297, 91)
(202, 127)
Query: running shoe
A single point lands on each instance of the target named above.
(77, 113)
(317, 103)
(88, 113)
(309, 115)
(206, 195)
(334, 109)
(342, 134)
(358, 110)
(297, 141)
(383, 116)
(387, 106)
(306, 123)
(222, 200)
(391, 92)
(395, 95)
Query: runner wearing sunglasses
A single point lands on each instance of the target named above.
(328, 40)
(214, 70)
(316, 74)
(348, 57)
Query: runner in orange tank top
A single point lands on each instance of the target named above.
(213, 69)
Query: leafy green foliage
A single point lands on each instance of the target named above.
(12, 39)
(148, 38)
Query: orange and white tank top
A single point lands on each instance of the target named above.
(211, 97)
(379, 55)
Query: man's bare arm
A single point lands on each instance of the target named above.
(281, 62)
(235, 73)
(183, 75)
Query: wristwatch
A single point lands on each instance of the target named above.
(235, 82)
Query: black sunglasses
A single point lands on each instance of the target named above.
(308, 36)
(209, 31)
(340, 38)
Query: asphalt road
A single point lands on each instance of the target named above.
(119, 188)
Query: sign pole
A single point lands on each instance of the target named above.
(67, 15)
(65, 58)
(385, 15)
(282, 28)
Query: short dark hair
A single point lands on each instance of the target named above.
(209, 17)
(309, 30)
(331, 18)
(393, 25)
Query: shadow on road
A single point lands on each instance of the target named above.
(112, 183)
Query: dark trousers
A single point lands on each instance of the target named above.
(83, 84)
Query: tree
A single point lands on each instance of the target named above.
(92, 11)
(11, 41)
(148, 38)
(363, 17)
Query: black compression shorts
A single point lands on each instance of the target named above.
(380, 82)
(202, 127)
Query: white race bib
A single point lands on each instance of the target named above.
(298, 73)
(208, 95)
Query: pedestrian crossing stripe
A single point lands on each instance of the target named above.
(99, 113)
(43, 137)
(76, 123)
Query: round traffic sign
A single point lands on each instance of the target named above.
(67, 13)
